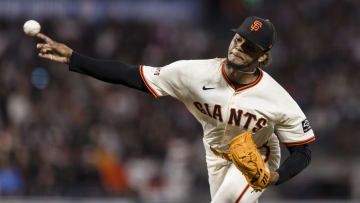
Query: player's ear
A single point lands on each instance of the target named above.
(265, 59)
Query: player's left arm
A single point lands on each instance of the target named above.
(294, 131)
(298, 160)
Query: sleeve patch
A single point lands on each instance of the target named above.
(157, 71)
(306, 125)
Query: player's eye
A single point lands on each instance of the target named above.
(250, 48)
(246, 46)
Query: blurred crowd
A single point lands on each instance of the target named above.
(64, 134)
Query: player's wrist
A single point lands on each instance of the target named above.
(274, 178)
(68, 57)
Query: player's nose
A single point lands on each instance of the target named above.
(239, 45)
(239, 48)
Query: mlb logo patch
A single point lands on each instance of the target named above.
(306, 125)
(157, 71)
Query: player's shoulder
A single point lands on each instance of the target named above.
(277, 94)
(273, 87)
(270, 81)
(197, 62)
(196, 65)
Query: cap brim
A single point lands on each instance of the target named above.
(237, 31)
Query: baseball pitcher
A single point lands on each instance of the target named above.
(244, 112)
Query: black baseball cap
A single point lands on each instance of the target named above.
(259, 31)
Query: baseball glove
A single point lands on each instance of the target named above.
(246, 157)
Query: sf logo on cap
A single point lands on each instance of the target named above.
(256, 25)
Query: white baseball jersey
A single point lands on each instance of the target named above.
(224, 112)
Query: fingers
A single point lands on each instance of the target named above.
(44, 48)
(53, 57)
(40, 45)
(52, 50)
(45, 38)
(46, 56)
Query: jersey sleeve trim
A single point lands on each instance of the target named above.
(146, 83)
(289, 144)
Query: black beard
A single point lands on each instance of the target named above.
(239, 67)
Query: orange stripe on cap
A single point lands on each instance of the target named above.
(146, 83)
(289, 144)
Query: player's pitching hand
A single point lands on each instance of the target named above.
(53, 50)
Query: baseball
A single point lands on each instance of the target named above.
(31, 27)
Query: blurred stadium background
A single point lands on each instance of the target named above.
(65, 137)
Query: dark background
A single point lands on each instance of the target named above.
(68, 135)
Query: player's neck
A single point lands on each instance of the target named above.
(245, 76)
